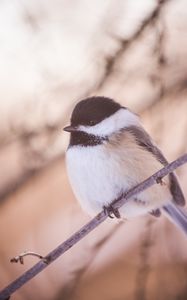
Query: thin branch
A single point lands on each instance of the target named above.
(76, 237)
(126, 43)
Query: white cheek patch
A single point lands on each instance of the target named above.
(121, 119)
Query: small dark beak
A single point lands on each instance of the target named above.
(70, 128)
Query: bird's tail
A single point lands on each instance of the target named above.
(177, 215)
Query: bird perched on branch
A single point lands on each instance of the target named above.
(109, 153)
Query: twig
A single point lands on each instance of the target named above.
(76, 237)
(20, 257)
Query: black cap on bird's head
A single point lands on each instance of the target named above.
(92, 111)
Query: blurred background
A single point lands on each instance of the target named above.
(52, 54)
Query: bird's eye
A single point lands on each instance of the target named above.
(92, 122)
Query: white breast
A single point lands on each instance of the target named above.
(94, 176)
(99, 176)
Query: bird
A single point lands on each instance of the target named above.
(110, 152)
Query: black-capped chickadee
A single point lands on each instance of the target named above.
(110, 152)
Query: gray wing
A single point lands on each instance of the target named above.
(144, 140)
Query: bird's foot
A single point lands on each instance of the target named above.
(111, 212)
(156, 213)
(160, 181)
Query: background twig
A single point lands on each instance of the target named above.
(101, 217)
